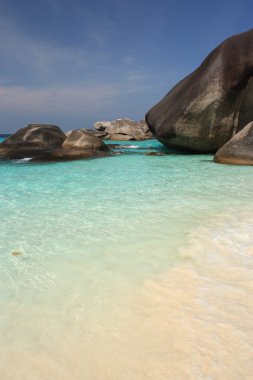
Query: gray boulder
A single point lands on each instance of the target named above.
(135, 129)
(203, 111)
(239, 149)
(101, 125)
(83, 140)
(43, 135)
(32, 141)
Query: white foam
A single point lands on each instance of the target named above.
(23, 160)
(130, 146)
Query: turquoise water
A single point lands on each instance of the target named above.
(129, 267)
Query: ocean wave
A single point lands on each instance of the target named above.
(22, 160)
(130, 146)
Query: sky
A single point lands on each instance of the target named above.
(75, 62)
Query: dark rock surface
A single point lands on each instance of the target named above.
(117, 129)
(32, 141)
(18, 151)
(203, 111)
(43, 135)
(239, 149)
(155, 154)
(69, 154)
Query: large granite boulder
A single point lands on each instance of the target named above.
(32, 141)
(239, 149)
(204, 110)
(43, 135)
(81, 139)
(117, 129)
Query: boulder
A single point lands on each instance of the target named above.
(102, 125)
(203, 111)
(121, 137)
(31, 141)
(83, 140)
(135, 129)
(239, 149)
(43, 135)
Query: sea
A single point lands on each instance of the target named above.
(130, 267)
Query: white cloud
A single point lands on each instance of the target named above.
(62, 99)
(70, 107)
(59, 98)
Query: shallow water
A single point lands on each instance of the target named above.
(131, 267)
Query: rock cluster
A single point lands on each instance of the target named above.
(123, 129)
(203, 111)
(48, 143)
(209, 111)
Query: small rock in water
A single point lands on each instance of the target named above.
(16, 253)
(155, 154)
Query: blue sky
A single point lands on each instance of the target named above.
(74, 62)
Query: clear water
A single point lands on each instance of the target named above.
(131, 267)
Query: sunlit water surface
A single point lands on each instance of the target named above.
(131, 267)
